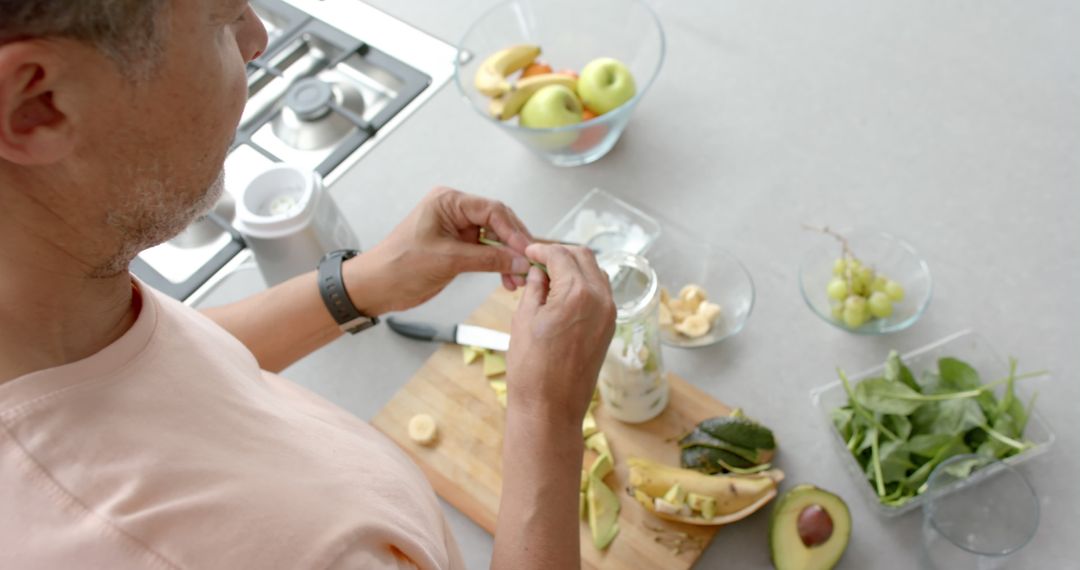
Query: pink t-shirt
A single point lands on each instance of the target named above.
(172, 449)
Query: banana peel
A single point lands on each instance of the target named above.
(737, 496)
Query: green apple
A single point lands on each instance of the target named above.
(550, 107)
(605, 83)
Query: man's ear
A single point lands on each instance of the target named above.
(33, 130)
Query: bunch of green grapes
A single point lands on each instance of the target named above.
(859, 293)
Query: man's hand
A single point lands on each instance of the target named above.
(435, 243)
(559, 337)
(560, 334)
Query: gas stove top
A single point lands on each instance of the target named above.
(320, 97)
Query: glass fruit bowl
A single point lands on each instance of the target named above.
(570, 34)
(681, 259)
(889, 256)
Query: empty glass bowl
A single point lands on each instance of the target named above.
(571, 34)
(979, 511)
(888, 255)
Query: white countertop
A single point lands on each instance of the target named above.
(957, 127)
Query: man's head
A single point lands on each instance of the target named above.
(116, 115)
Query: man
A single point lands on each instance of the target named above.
(138, 433)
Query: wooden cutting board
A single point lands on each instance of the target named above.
(465, 466)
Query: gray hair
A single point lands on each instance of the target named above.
(129, 32)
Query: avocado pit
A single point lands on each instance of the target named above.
(815, 526)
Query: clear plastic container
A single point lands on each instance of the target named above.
(966, 345)
(632, 382)
(606, 224)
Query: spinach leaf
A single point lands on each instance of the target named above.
(895, 461)
(955, 417)
(957, 376)
(918, 478)
(892, 366)
(899, 425)
(1011, 405)
(883, 396)
(841, 418)
(929, 383)
(928, 445)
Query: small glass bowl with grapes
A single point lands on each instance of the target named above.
(865, 281)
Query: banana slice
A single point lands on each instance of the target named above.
(491, 76)
(694, 326)
(709, 311)
(423, 429)
(692, 296)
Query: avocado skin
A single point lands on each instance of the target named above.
(783, 516)
(707, 459)
(735, 441)
(739, 431)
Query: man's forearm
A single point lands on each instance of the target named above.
(538, 524)
(289, 321)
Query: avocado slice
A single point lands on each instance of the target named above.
(602, 467)
(598, 443)
(471, 353)
(494, 364)
(603, 507)
(588, 425)
(809, 529)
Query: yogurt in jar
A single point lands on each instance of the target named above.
(632, 383)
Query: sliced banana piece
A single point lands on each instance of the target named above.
(692, 296)
(709, 311)
(694, 326)
(423, 429)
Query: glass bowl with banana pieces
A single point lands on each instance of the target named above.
(707, 294)
(561, 76)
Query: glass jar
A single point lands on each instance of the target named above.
(632, 382)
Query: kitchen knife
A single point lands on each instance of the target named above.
(465, 335)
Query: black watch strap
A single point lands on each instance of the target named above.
(336, 298)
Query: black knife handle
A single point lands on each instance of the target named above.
(417, 331)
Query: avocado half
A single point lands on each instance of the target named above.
(809, 529)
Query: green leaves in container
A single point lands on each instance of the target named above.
(898, 427)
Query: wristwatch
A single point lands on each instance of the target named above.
(336, 298)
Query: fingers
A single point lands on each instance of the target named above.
(558, 258)
(473, 211)
(536, 292)
(484, 258)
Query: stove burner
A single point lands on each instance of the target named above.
(310, 99)
(319, 112)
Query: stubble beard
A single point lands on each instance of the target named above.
(154, 214)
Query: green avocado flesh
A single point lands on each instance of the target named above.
(799, 533)
(603, 510)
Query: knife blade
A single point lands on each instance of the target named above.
(465, 335)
